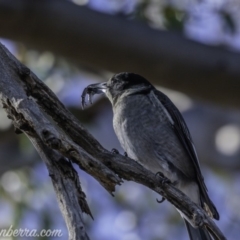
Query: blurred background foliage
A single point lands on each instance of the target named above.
(27, 199)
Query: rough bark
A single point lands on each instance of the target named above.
(27, 117)
(116, 44)
(27, 100)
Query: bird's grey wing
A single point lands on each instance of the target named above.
(183, 134)
(181, 130)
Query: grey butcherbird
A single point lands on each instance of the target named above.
(153, 132)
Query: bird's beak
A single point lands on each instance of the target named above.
(91, 90)
(97, 88)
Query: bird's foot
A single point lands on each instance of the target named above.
(162, 200)
(115, 151)
(164, 180)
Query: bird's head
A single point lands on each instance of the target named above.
(118, 86)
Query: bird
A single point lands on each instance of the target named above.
(152, 131)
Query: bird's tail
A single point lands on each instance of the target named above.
(197, 233)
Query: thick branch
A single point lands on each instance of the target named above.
(65, 180)
(28, 118)
(70, 196)
(31, 117)
(115, 44)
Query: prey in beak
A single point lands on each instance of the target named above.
(91, 90)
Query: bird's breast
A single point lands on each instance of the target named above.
(141, 126)
(145, 132)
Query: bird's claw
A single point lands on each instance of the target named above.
(163, 179)
(115, 151)
(162, 200)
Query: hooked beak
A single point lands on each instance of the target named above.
(91, 90)
(97, 88)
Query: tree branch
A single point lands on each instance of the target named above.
(27, 117)
(116, 44)
(77, 144)
(70, 196)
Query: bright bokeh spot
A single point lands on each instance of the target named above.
(181, 100)
(126, 221)
(45, 61)
(228, 139)
(56, 82)
(11, 181)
